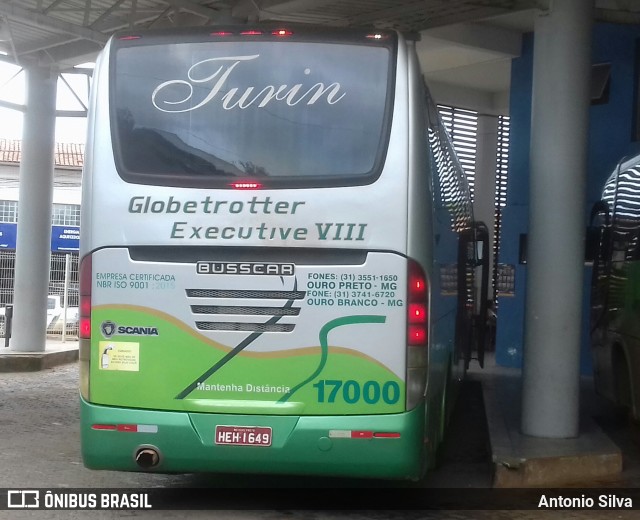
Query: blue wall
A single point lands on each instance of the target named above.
(610, 138)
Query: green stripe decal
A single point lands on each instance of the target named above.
(244, 344)
(324, 345)
(332, 374)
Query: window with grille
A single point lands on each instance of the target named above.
(502, 163)
(66, 215)
(462, 126)
(8, 211)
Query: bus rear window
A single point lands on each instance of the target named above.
(205, 114)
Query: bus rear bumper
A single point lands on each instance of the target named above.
(373, 446)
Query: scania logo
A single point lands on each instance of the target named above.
(110, 329)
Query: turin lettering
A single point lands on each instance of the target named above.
(200, 75)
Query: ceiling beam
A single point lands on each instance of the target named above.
(39, 20)
(265, 8)
(67, 54)
(39, 45)
(614, 16)
(52, 6)
(481, 9)
(87, 13)
(471, 15)
(13, 106)
(106, 13)
(479, 37)
(388, 12)
(71, 113)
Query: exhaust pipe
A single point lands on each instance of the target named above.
(147, 457)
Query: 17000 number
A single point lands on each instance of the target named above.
(352, 392)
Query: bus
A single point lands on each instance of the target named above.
(615, 288)
(278, 255)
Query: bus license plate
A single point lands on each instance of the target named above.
(243, 435)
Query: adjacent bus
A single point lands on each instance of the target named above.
(277, 255)
(615, 291)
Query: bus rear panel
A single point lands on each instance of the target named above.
(251, 300)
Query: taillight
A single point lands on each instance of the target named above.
(377, 36)
(246, 185)
(417, 321)
(85, 325)
(417, 334)
(85, 298)
(252, 32)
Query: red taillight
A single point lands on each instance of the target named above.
(251, 33)
(246, 185)
(377, 36)
(221, 33)
(85, 297)
(282, 32)
(417, 283)
(85, 307)
(134, 428)
(417, 335)
(85, 328)
(417, 311)
(387, 435)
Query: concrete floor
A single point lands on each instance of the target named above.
(39, 448)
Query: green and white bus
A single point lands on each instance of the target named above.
(615, 290)
(277, 255)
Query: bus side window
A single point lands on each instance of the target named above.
(598, 236)
(634, 253)
(598, 251)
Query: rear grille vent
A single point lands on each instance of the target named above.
(245, 311)
(230, 293)
(270, 314)
(244, 327)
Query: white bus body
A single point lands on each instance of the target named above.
(272, 278)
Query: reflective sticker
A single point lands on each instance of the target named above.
(147, 428)
(119, 355)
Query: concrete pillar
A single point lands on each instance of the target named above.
(485, 185)
(555, 261)
(33, 244)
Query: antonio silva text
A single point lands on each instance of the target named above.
(604, 501)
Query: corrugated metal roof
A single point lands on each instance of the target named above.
(67, 155)
(62, 31)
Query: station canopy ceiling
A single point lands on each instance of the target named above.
(465, 51)
(68, 32)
